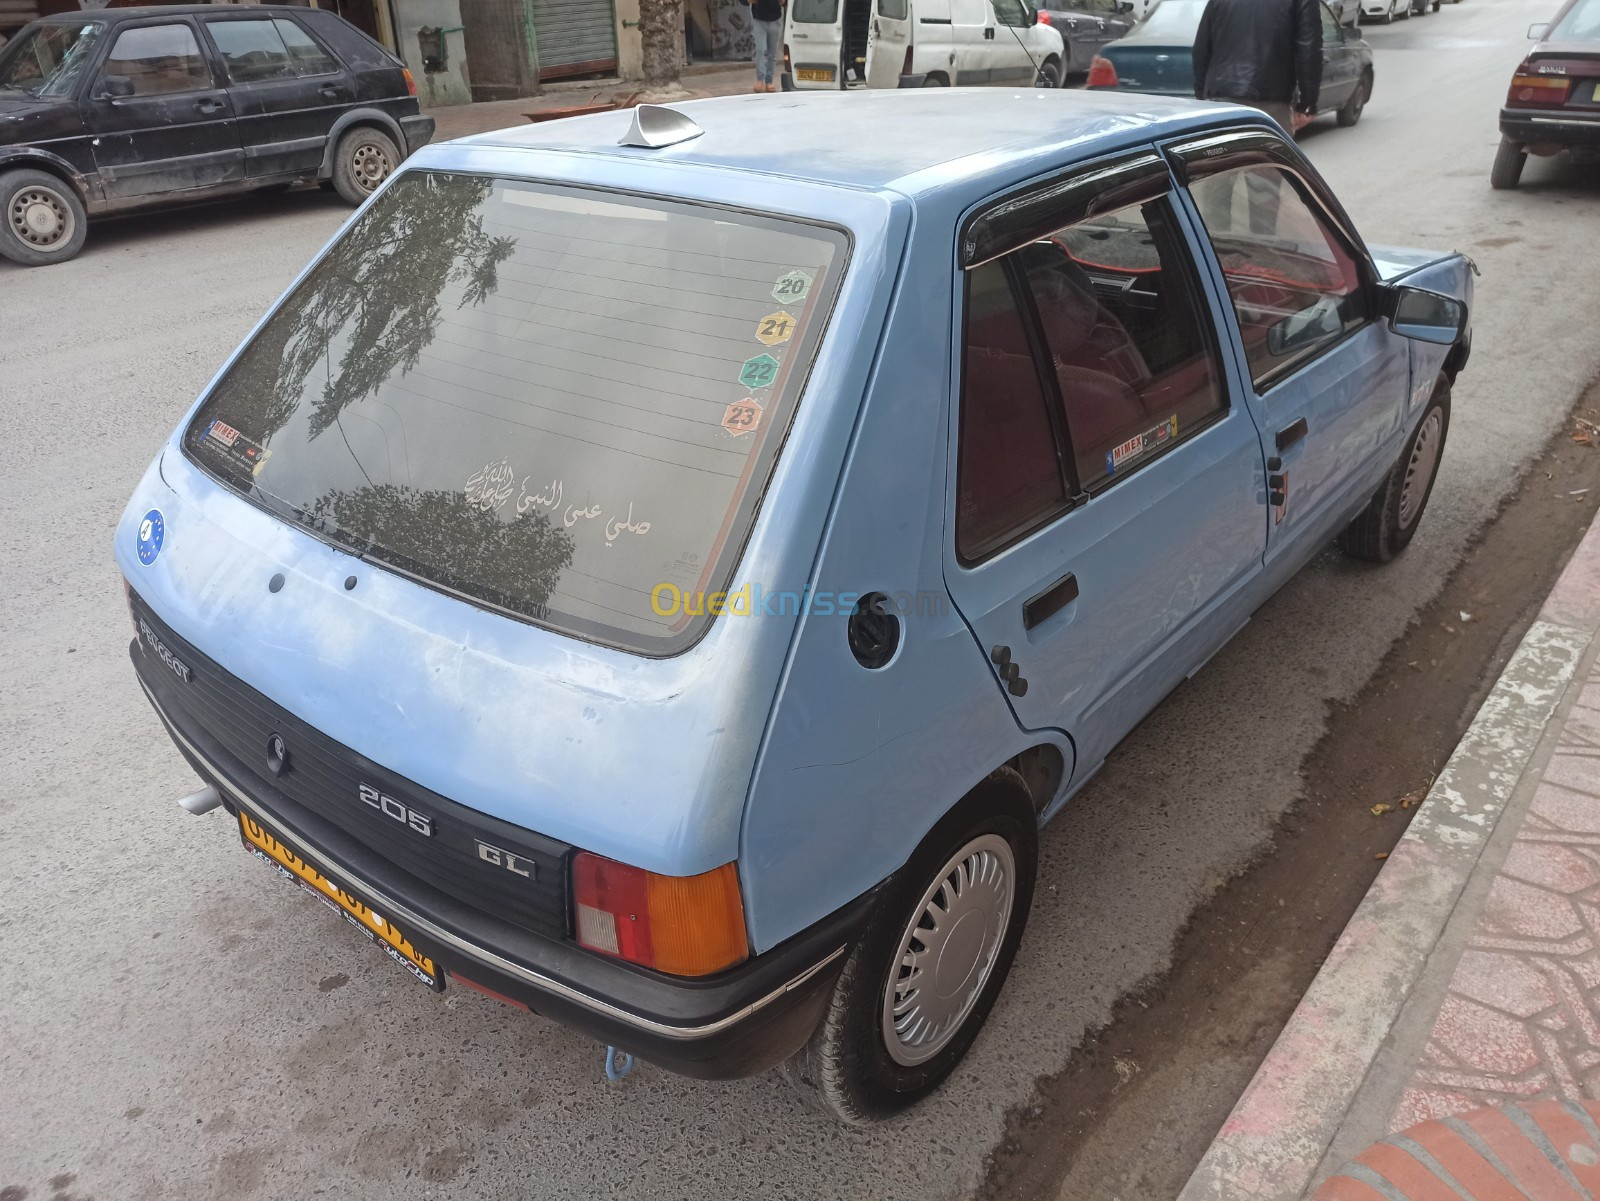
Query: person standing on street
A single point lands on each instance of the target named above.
(1264, 53)
(767, 17)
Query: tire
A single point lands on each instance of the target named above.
(1353, 107)
(1386, 526)
(860, 1066)
(365, 157)
(1508, 163)
(1049, 75)
(42, 221)
(1388, 17)
(935, 79)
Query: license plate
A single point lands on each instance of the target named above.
(383, 932)
(815, 74)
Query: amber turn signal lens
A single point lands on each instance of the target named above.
(684, 925)
(411, 83)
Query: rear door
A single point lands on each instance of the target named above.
(160, 119)
(1107, 517)
(887, 42)
(1341, 67)
(815, 37)
(1327, 379)
(287, 89)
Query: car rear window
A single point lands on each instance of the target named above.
(553, 401)
(1581, 24)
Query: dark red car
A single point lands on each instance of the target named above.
(1554, 101)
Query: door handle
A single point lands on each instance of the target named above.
(989, 32)
(208, 105)
(1288, 436)
(1052, 600)
(330, 91)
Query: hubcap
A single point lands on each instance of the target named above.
(370, 165)
(40, 217)
(948, 950)
(1419, 469)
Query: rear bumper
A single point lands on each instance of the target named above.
(738, 1023)
(1564, 127)
(418, 132)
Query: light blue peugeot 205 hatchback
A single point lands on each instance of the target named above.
(661, 568)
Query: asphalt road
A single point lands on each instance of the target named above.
(179, 1023)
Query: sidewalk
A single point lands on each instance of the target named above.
(701, 79)
(1470, 974)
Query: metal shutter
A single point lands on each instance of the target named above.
(575, 37)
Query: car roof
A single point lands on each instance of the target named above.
(908, 141)
(163, 10)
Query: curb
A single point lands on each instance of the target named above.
(1273, 1142)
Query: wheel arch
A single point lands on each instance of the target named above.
(376, 118)
(32, 158)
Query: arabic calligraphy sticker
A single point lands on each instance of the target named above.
(759, 372)
(774, 328)
(742, 417)
(792, 287)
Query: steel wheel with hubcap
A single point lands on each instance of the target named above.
(1386, 526)
(364, 159)
(930, 961)
(43, 219)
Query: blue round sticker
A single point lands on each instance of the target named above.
(148, 537)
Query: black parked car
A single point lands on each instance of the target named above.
(114, 109)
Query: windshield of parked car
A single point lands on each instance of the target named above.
(1581, 24)
(46, 60)
(1177, 19)
(556, 402)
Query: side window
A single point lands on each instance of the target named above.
(1008, 475)
(1330, 27)
(252, 50)
(1011, 12)
(308, 57)
(1294, 284)
(155, 60)
(1127, 336)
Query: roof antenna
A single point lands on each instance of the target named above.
(655, 126)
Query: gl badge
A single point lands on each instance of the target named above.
(398, 810)
(519, 864)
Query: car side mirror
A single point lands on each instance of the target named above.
(1539, 31)
(116, 87)
(1427, 316)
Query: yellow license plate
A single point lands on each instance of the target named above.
(814, 74)
(378, 928)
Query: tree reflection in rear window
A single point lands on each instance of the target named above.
(546, 399)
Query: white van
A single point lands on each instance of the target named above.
(918, 43)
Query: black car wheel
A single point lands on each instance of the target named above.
(919, 984)
(1385, 527)
(1353, 107)
(1508, 163)
(1049, 75)
(364, 159)
(42, 221)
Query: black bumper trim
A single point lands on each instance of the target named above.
(1563, 126)
(751, 1037)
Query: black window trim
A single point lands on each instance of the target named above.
(202, 43)
(1019, 219)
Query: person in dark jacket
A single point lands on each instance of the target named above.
(1264, 53)
(766, 16)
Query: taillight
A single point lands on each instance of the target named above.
(411, 83)
(788, 64)
(1537, 90)
(684, 925)
(1044, 16)
(905, 67)
(1101, 73)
